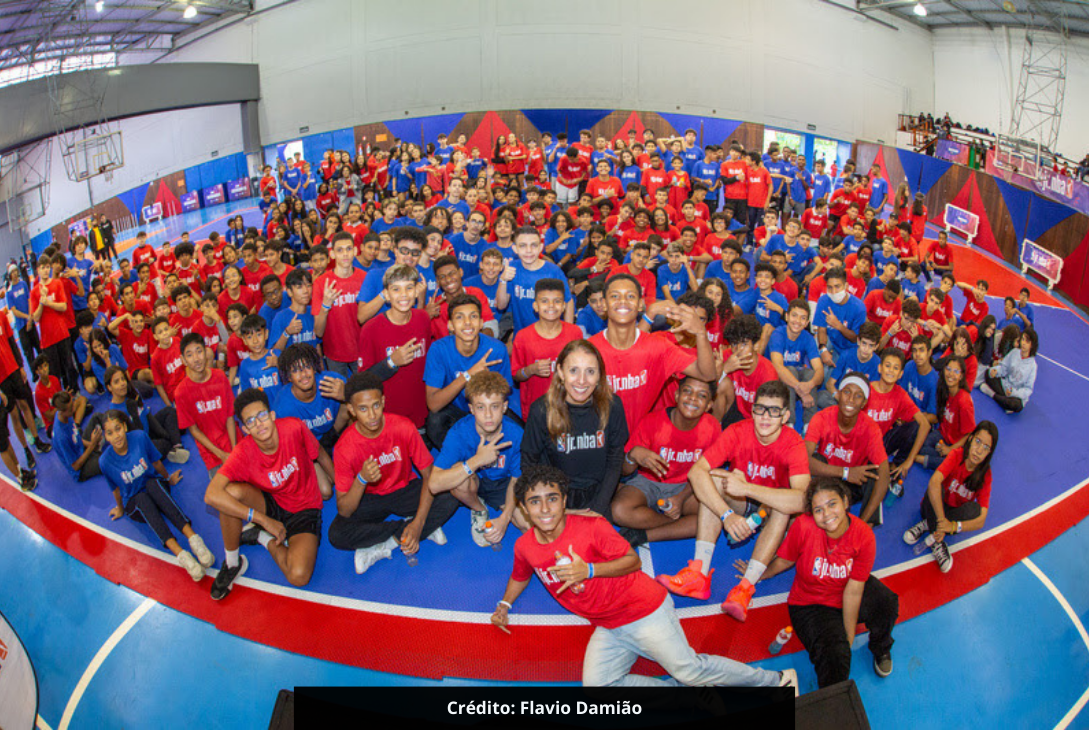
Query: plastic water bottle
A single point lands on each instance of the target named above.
(562, 559)
(896, 488)
(754, 522)
(664, 505)
(781, 639)
(923, 545)
(489, 528)
(412, 559)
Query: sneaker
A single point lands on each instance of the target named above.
(178, 455)
(201, 552)
(690, 582)
(366, 557)
(882, 665)
(915, 533)
(477, 518)
(28, 480)
(226, 578)
(249, 535)
(633, 535)
(31, 462)
(789, 677)
(941, 554)
(986, 390)
(43, 446)
(736, 604)
(187, 561)
(438, 536)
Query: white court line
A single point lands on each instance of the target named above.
(41, 724)
(1069, 717)
(1069, 370)
(100, 657)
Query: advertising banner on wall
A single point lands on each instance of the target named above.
(214, 195)
(18, 682)
(952, 151)
(1056, 186)
(238, 189)
(190, 201)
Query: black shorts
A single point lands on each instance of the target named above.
(15, 388)
(307, 521)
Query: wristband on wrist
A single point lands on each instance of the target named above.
(326, 307)
(468, 469)
(647, 319)
(467, 377)
(391, 363)
(727, 513)
(846, 472)
(591, 574)
(504, 603)
(249, 517)
(960, 526)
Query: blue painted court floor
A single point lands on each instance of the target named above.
(1005, 655)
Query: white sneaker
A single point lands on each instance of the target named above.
(438, 536)
(178, 455)
(201, 551)
(479, 518)
(789, 678)
(986, 390)
(366, 557)
(187, 561)
(914, 533)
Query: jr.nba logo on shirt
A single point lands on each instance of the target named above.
(389, 457)
(277, 478)
(831, 451)
(567, 443)
(418, 353)
(627, 382)
(207, 406)
(822, 568)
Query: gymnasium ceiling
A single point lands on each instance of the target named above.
(35, 34)
(990, 14)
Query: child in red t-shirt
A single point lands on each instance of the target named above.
(535, 349)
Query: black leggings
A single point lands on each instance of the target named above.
(369, 525)
(820, 629)
(1000, 397)
(151, 505)
(967, 511)
(163, 429)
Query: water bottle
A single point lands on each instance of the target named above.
(664, 505)
(412, 559)
(781, 639)
(489, 528)
(920, 547)
(754, 522)
(896, 488)
(562, 559)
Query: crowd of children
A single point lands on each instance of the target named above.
(681, 341)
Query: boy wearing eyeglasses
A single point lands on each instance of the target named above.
(408, 247)
(205, 403)
(269, 483)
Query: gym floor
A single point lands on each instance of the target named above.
(128, 640)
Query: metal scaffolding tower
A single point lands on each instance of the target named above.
(1041, 88)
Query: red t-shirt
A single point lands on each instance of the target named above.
(166, 261)
(770, 465)
(167, 369)
(973, 311)
(530, 347)
(341, 338)
(288, 475)
(190, 277)
(646, 279)
(817, 287)
(8, 365)
(236, 350)
(878, 310)
(788, 288)
(396, 449)
(654, 178)
(440, 326)
(954, 476)
(185, 325)
(136, 349)
(208, 406)
(43, 394)
(598, 187)
(906, 247)
(210, 333)
(53, 326)
(814, 223)
(958, 417)
(888, 409)
(638, 373)
(739, 169)
(607, 602)
(145, 253)
(822, 566)
(252, 279)
(901, 340)
(246, 296)
(570, 173)
(863, 445)
(745, 385)
(941, 255)
(379, 337)
(680, 450)
(759, 184)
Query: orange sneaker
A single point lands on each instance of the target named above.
(737, 602)
(690, 582)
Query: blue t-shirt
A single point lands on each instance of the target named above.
(444, 153)
(283, 319)
(916, 289)
(676, 281)
(116, 358)
(130, 473)
(607, 155)
(552, 166)
(380, 225)
(462, 441)
(67, 443)
(631, 174)
(473, 168)
(256, 374)
(852, 244)
(589, 321)
(292, 179)
(372, 288)
(798, 255)
(822, 187)
(692, 157)
(568, 247)
(764, 313)
(1028, 310)
(852, 313)
(798, 185)
(777, 167)
(522, 294)
(468, 254)
(797, 353)
(427, 273)
(319, 415)
(269, 314)
(922, 389)
(444, 363)
(879, 190)
(81, 347)
(743, 300)
(19, 298)
(706, 172)
(84, 267)
(490, 290)
(461, 205)
(875, 284)
(880, 259)
(848, 362)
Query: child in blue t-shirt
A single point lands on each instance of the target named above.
(591, 318)
(860, 359)
(522, 276)
(920, 379)
(307, 395)
(770, 306)
(127, 462)
(796, 358)
(258, 368)
(481, 458)
(676, 277)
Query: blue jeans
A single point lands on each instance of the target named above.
(659, 637)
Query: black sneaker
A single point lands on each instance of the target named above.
(249, 535)
(28, 480)
(634, 536)
(882, 665)
(43, 446)
(226, 578)
(31, 462)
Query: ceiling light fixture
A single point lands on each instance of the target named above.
(99, 6)
(920, 10)
(190, 12)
